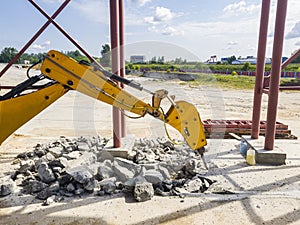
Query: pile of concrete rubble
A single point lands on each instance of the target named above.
(67, 168)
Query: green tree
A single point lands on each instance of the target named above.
(7, 54)
(105, 55)
(246, 66)
(231, 59)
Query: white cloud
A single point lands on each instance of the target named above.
(295, 32)
(41, 46)
(171, 31)
(297, 43)
(241, 7)
(140, 2)
(162, 14)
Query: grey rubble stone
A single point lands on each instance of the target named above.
(5, 190)
(26, 165)
(193, 186)
(49, 157)
(83, 147)
(87, 158)
(70, 187)
(143, 192)
(164, 172)
(45, 173)
(133, 167)
(122, 173)
(59, 162)
(153, 176)
(72, 155)
(90, 185)
(54, 187)
(108, 185)
(44, 194)
(36, 186)
(79, 191)
(133, 181)
(105, 172)
(49, 200)
(39, 152)
(104, 156)
(56, 151)
(81, 174)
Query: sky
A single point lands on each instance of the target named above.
(191, 29)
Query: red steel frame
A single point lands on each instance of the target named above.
(276, 71)
(117, 32)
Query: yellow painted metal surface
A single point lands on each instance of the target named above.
(184, 117)
(17, 111)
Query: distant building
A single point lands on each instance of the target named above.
(26, 62)
(251, 60)
(137, 59)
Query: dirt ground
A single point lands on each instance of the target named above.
(260, 194)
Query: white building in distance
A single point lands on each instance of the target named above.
(137, 59)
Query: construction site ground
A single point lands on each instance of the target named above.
(257, 194)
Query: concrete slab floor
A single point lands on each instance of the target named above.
(247, 195)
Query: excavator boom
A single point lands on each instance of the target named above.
(67, 74)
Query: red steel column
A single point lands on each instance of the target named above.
(276, 71)
(122, 58)
(114, 38)
(260, 67)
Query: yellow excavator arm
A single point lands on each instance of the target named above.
(67, 74)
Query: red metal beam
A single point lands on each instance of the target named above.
(291, 59)
(122, 57)
(114, 38)
(64, 32)
(276, 71)
(38, 33)
(260, 67)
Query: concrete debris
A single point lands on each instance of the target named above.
(143, 192)
(153, 177)
(5, 190)
(45, 173)
(66, 168)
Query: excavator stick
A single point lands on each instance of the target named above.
(93, 82)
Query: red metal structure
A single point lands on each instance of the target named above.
(276, 71)
(117, 33)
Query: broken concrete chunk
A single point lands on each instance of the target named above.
(133, 181)
(143, 192)
(81, 174)
(153, 176)
(122, 173)
(193, 186)
(105, 172)
(133, 167)
(49, 200)
(70, 187)
(45, 173)
(90, 185)
(5, 190)
(44, 194)
(108, 185)
(35, 186)
(72, 155)
(56, 151)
